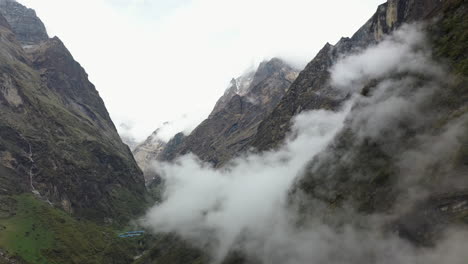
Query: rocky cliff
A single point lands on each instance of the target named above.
(311, 89)
(416, 165)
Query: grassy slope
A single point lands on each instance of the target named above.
(38, 233)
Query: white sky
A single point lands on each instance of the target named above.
(170, 60)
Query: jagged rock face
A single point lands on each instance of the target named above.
(28, 28)
(233, 123)
(311, 89)
(237, 86)
(56, 137)
(170, 150)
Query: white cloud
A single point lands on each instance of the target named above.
(153, 61)
(184, 124)
(402, 52)
(249, 195)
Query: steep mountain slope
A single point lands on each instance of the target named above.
(416, 164)
(233, 123)
(57, 138)
(311, 89)
(238, 86)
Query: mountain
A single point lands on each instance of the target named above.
(398, 166)
(229, 130)
(233, 123)
(64, 171)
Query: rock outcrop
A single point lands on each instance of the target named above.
(311, 89)
(28, 28)
(238, 86)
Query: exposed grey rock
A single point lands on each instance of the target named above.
(311, 89)
(28, 28)
(232, 125)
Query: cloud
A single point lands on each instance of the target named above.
(185, 124)
(244, 195)
(402, 52)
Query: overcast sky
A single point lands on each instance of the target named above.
(170, 60)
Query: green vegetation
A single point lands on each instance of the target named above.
(450, 37)
(23, 234)
(39, 233)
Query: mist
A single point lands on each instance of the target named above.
(245, 195)
(255, 204)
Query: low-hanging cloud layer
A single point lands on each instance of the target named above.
(247, 206)
(201, 200)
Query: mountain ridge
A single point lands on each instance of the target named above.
(231, 125)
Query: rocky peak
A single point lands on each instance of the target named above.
(245, 84)
(28, 28)
(268, 68)
(233, 121)
(230, 92)
(229, 130)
